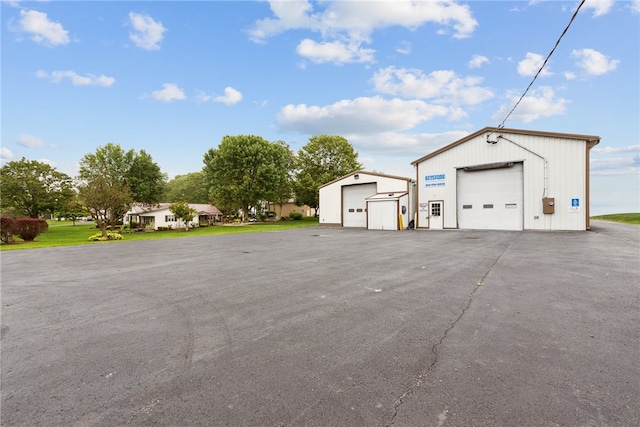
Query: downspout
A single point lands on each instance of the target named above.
(590, 145)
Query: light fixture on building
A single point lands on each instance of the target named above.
(356, 176)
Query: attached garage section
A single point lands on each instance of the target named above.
(354, 205)
(383, 211)
(490, 197)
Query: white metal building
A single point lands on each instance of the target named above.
(357, 199)
(506, 179)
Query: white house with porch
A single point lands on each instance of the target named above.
(160, 216)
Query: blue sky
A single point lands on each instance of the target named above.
(398, 79)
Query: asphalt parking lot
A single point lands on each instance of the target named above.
(326, 327)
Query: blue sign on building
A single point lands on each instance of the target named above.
(437, 180)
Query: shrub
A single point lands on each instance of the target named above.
(110, 236)
(29, 228)
(295, 216)
(7, 226)
(162, 228)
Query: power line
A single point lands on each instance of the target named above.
(543, 64)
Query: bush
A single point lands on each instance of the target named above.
(110, 236)
(29, 228)
(295, 216)
(7, 225)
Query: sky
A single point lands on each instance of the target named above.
(398, 79)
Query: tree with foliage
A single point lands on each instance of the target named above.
(32, 188)
(72, 210)
(191, 187)
(111, 180)
(181, 210)
(323, 159)
(283, 191)
(243, 171)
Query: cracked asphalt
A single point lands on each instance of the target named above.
(326, 327)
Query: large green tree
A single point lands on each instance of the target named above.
(243, 171)
(323, 159)
(191, 187)
(111, 180)
(31, 188)
(183, 211)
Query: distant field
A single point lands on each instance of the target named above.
(628, 218)
(64, 233)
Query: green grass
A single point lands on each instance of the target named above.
(627, 218)
(64, 233)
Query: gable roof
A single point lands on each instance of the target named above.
(590, 139)
(202, 208)
(364, 172)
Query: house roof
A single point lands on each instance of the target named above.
(202, 208)
(363, 172)
(590, 139)
(386, 196)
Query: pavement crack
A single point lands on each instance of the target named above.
(436, 347)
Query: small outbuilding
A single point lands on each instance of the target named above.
(366, 199)
(506, 179)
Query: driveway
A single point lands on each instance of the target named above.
(326, 327)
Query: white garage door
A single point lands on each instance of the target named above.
(354, 206)
(491, 199)
(383, 215)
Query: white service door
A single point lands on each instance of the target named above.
(354, 205)
(491, 199)
(383, 215)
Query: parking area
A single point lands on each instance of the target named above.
(326, 327)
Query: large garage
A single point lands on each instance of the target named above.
(344, 202)
(506, 179)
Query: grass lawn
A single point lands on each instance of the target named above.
(627, 218)
(64, 233)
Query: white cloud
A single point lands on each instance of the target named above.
(170, 92)
(230, 97)
(147, 33)
(5, 153)
(635, 6)
(627, 149)
(345, 25)
(404, 144)
(477, 61)
(404, 47)
(359, 116)
(444, 86)
(539, 103)
(42, 30)
(531, 64)
(617, 164)
(336, 52)
(77, 79)
(594, 62)
(600, 7)
(569, 75)
(30, 141)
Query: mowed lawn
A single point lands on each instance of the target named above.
(627, 218)
(64, 233)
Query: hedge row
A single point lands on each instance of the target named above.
(27, 228)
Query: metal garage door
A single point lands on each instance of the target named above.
(354, 206)
(491, 198)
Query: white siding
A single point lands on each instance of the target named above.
(561, 160)
(331, 195)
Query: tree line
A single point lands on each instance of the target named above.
(242, 172)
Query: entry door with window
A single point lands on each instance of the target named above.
(436, 220)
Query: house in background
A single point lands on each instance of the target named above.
(287, 208)
(161, 216)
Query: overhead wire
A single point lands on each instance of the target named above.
(501, 125)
